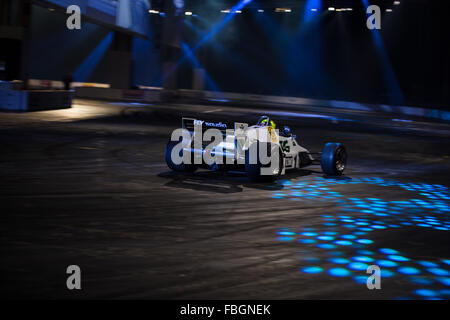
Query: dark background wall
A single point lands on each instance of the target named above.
(405, 63)
(55, 51)
(336, 57)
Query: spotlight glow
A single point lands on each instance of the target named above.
(286, 10)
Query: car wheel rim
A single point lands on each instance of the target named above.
(341, 160)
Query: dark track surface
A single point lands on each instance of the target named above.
(89, 186)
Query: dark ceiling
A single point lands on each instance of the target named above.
(289, 3)
(271, 4)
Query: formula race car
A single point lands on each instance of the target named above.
(242, 148)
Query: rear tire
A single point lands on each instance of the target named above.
(177, 167)
(334, 159)
(254, 169)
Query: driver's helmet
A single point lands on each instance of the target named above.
(266, 122)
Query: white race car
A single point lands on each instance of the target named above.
(236, 147)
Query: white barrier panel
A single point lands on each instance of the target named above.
(295, 102)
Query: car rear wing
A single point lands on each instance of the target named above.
(237, 129)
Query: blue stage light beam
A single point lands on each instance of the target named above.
(228, 17)
(219, 26)
(279, 40)
(312, 10)
(85, 69)
(396, 95)
(196, 64)
(252, 71)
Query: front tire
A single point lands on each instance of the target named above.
(334, 159)
(177, 167)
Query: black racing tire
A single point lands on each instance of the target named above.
(177, 167)
(254, 170)
(334, 159)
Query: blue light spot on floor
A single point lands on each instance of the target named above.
(339, 260)
(397, 258)
(358, 266)
(343, 243)
(427, 264)
(285, 239)
(312, 270)
(388, 251)
(339, 272)
(445, 281)
(386, 273)
(421, 281)
(348, 236)
(445, 292)
(361, 279)
(307, 241)
(408, 270)
(286, 233)
(308, 234)
(364, 252)
(438, 271)
(386, 263)
(325, 238)
(364, 241)
(326, 246)
(426, 292)
(363, 259)
(358, 219)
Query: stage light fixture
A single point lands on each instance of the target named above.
(286, 10)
